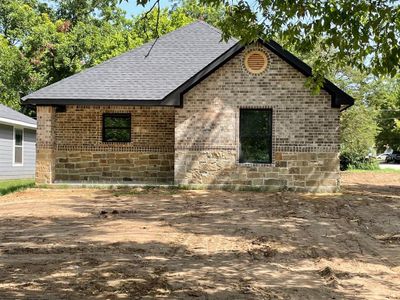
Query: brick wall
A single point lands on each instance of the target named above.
(305, 130)
(45, 144)
(81, 155)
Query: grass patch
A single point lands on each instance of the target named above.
(10, 186)
(373, 171)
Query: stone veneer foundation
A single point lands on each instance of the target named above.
(198, 144)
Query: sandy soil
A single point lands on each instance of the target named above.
(101, 244)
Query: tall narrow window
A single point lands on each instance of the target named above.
(18, 146)
(255, 136)
(117, 128)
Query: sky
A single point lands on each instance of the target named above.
(132, 8)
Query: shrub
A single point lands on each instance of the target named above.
(347, 163)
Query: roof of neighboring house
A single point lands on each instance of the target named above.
(11, 117)
(178, 61)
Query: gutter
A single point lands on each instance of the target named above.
(18, 123)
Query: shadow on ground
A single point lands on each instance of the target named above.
(134, 244)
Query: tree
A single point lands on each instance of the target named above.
(44, 42)
(358, 131)
(363, 34)
(15, 72)
(384, 96)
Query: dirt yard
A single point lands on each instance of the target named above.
(137, 244)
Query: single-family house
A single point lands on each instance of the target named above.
(17, 144)
(192, 110)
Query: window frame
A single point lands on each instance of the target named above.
(15, 164)
(268, 135)
(105, 115)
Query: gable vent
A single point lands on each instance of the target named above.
(256, 61)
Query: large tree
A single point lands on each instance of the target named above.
(363, 34)
(42, 42)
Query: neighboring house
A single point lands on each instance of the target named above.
(192, 110)
(17, 144)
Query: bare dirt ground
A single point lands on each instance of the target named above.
(102, 244)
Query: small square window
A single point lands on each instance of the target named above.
(255, 136)
(117, 128)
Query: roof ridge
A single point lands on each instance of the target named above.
(112, 59)
(215, 29)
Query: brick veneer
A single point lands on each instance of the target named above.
(79, 154)
(45, 144)
(305, 130)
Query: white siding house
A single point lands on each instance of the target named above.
(17, 144)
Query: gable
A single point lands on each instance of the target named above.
(280, 83)
(338, 96)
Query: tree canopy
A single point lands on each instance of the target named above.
(363, 34)
(353, 43)
(44, 42)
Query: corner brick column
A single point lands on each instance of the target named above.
(45, 144)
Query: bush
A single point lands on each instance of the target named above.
(347, 163)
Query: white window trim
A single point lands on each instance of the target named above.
(22, 146)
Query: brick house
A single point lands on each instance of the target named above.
(192, 111)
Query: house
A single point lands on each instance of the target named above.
(17, 144)
(192, 110)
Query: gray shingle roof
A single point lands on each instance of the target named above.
(175, 58)
(12, 115)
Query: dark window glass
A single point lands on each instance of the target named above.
(18, 137)
(255, 136)
(116, 128)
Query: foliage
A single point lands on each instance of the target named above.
(374, 117)
(357, 33)
(384, 96)
(358, 132)
(44, 42)
(366, 164)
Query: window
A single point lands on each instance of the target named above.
(18, 146)
(117, 128)
(255, 136)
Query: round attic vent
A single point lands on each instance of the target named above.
(256, 61)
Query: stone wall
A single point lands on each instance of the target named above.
(305, 130)
(105, 166)
(79, 154)
(315, 172)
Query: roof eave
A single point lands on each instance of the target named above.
(12, 122)
(338, 96)
(58, 101)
